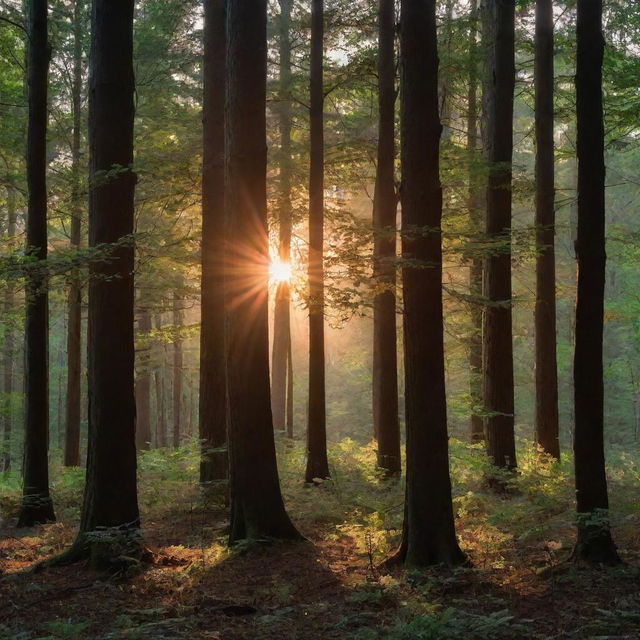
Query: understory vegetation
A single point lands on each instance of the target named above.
(337, 587)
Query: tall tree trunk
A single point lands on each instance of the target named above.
(290, 388)
(282, 312)
(213, 386)
(476, 427)
(317, 463)
(110, 498)
(428, 535)
(37, 506)
(9, 342)
(257, 508)
(386, 424)
(143, 386)
(545, 315)
(594, 544)
(74, 305)
(497, 334)
(177, 370)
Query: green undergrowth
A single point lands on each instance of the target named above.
(356, 516)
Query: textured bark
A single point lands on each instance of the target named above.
(476, 427)
(177, 371)
(545, 315)
(386, 425)
(280, 364)
(9, 343)
(110, 499)
(213, 392)
(257, 508)
(497, 330)
(143, 388)
(428, 533)
(594, 544)
(317, 462)
(37, 506)
(74, 304)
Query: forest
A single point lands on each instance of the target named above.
(318, 319)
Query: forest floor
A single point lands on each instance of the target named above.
(331, 586)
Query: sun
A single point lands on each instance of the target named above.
(279, 271)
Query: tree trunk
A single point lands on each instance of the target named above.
(282, 312)
(545, 315)
(37, 506)
(143, 387)
(110, 499)
(74, 305)
(476, 427)
(594, 544)
(317, 463)
(9, 342)
(177, 370)
(257, 508)
(213, 391)
(497, 334)
(386, 425)
(428, 535)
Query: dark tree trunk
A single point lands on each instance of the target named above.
(37, 506)
(476, 427)
(428, 535)
(281, 315)
(257, 508)
(317, 463)
(386, 425)
(290, 389)
(74, 305)
(594, 544)
(177, 371)
(110, 499)
(9, 343)
(497, 334)
(545, 316)
(213, 390)
(143, 387)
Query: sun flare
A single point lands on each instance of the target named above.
(280, 271)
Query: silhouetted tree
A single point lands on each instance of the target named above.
(594, 544)
(257, 508)
(386, 425)
(317, 463)
(37, 506)
(280, 363)
(213, 391)
(498, 39)
(545, 316)
(428, 535)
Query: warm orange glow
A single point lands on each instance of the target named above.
(279, 271)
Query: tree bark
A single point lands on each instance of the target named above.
(282, 308)
(74, 304)
(497, 333)
(143, 387)
(110, 498)
(37, 506)
(177, 371)
(594, 544)
(9, 342)
(386, 424)
(476, 427)
(213, 386)
(317, 462)
(257, 508)
(545, 315)
(428, 535)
